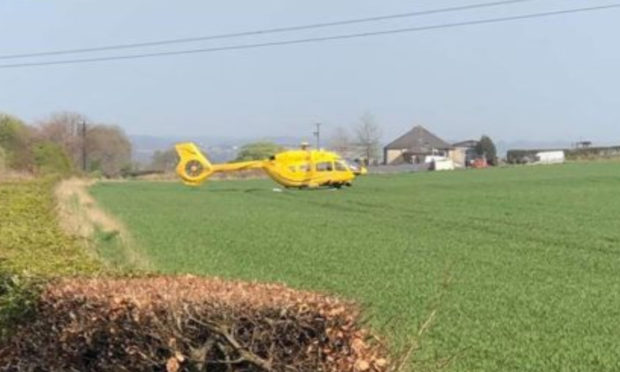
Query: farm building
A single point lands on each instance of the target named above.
(464, 153)
(414, 146)
(550, 157)
(578, 153)
(419, 144)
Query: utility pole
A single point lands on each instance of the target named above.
(317, 134)
(84, 146)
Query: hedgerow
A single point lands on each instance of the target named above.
(19, 295)
(32, 247)
(190, 324)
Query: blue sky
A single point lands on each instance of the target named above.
(543, 79)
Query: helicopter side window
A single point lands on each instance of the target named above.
(304, 167)
(325, 166)
(340, 166)
(292, 169)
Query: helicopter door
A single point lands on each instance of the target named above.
(303, 171)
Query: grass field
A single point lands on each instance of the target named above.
(533, 253)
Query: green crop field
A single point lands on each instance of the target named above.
(522, 264)
(30, 238)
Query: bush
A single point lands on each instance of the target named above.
(190, 324)
(51, 158)
(18, 298)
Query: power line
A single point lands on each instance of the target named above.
(314, 39)
(265, 31)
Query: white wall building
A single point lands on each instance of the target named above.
(550, 157)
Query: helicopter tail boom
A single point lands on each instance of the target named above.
(194, 167)
(239, 166)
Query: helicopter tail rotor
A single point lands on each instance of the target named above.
(194, 167)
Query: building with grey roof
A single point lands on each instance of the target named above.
(413, 147)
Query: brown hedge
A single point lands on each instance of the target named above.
(189, 324)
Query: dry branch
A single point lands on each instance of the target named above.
(190, 324)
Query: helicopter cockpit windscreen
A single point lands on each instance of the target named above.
(341, 166)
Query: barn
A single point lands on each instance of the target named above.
(414, 146)
(464, 153)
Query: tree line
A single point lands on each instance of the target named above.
(362, 141)
(63, 143)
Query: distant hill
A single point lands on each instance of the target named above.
(219, 149)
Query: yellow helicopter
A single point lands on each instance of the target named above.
(303, 168)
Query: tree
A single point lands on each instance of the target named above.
(164, 161)
(66, 130)
(368, 136)
(108, 150)
(340, 141)
(101, 147)
(258, 151)
(486, 148)
(16, 138)
(58, 143)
